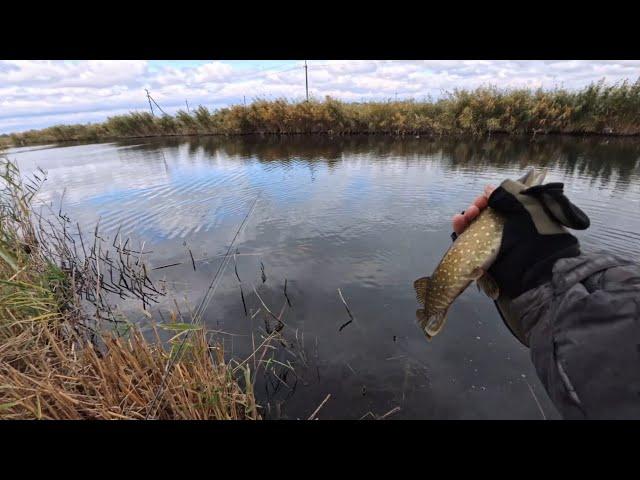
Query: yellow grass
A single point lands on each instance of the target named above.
(54, 366)
(599, 108)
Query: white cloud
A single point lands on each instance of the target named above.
(92, 73)
(36, 94)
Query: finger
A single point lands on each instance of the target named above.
(488, 190)
(471, 213)
(481, 202)
(459, 223)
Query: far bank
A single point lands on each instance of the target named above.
(599, 109)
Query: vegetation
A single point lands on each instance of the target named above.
(596, 109)
(5, 141)
(55, 363)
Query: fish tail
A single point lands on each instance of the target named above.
(420, 286)
(431, 324)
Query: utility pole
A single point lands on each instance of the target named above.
(149, 99)
(244, 100)
(306, 79)
(187, 102)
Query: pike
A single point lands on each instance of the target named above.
(467, 259)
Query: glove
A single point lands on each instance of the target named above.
(534, 236)
(533, 239)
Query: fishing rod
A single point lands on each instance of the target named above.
(201, 308)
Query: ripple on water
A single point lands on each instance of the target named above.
(369, 220)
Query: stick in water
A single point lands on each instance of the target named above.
(544, 417)
(348, 311)
(311, 417)
(285, 292)
(193, 262)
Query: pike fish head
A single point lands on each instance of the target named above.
(533, 177)
(431, 322)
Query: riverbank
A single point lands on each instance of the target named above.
(598, 109)
(57, 361)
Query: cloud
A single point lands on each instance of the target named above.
(36, 94)
(60, 74)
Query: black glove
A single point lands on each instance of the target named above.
(534, 238)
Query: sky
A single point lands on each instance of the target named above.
(38, 94)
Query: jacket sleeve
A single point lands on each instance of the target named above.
(583, 329)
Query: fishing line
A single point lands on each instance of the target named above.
(203, 305)
(227, 258)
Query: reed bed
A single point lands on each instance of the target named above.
(57, 361)
(49, 373)
(596, 109)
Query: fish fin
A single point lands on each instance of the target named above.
(488, 285)
(431, 325)
(476, 273)
(420, 286)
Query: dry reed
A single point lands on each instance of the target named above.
(57, 364)
(599, 108)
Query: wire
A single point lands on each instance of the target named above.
(269, 71)
(213, 285)
(264, 72)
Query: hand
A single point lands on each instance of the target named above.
(533, 239)
(461, 221)
(534, 235)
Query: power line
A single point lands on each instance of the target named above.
(270, 68)
(264, 72)
(269, 71)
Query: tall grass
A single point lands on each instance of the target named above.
(5, 141)
(596, 109)
(54, 365)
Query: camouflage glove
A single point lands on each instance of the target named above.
(533, 239)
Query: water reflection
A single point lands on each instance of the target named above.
(594, 157)
(364, 214)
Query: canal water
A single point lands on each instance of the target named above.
(364, 215)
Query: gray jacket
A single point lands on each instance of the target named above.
(583, 329)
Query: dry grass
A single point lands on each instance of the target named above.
(54, 365)
(48, 373)
(595, 109)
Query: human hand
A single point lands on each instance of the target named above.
(461, 221)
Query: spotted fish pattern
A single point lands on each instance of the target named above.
(468, 259)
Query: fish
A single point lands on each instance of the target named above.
(467, 260)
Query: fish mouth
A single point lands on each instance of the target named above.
(533, 177)
(431, 324)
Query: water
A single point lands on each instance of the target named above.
(366, 215)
